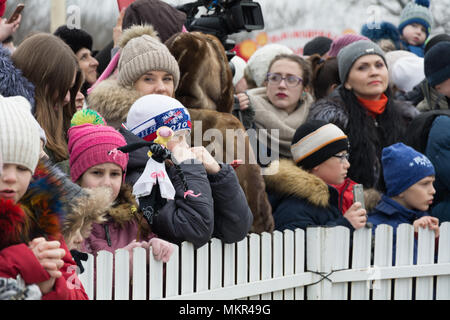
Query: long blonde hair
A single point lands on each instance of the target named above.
(51, 66)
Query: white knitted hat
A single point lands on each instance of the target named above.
(19, 133)
(153, 111)
(259, 62)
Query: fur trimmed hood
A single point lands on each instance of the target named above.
(86, 210)
(290, 180)
(113, 101)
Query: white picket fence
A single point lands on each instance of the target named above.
(283, 266)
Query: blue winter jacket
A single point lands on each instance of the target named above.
(392, 213)
(438, 151)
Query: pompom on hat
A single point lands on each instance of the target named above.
(91, 145)
(19, 133)
(154, 111)
(141, 52)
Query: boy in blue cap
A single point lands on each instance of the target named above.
(409, 177)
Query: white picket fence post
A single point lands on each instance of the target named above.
(272, 266)
(443, 282)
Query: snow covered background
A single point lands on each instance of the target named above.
(330, 16)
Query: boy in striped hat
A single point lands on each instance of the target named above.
(301, 193)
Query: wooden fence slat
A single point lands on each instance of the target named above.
(382, 258)
(289, 260)
(187, 268)
(425, 255)
(122, 275)
(173, 273)
(242, 262)
(216, 264)
(155, 277)
(202, 273)
(255, 261)
(139, 280)
(277, 261)
(229, 264)
(443, 282)
(88, 276)
(266, 261)
(404, 257)
(104, 275)
(339, 243)
(362, 249)
(299, 261)
(314, 237)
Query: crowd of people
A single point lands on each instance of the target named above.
(98, 149)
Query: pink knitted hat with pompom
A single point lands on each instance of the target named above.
(91, 145)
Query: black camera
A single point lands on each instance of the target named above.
(227, 17)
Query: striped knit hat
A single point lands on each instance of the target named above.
(416, 12)
(19, 133)
(316, 141)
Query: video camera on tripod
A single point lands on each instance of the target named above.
(227, 17)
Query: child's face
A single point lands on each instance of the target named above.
(107, 175)
(444, 88)
(334, 170)
(419, 196)
(75, 240)
(415, 34)
(14, 182)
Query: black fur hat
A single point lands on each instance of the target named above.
(76, 39)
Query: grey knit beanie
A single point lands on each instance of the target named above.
(349, 54)
(144, 53)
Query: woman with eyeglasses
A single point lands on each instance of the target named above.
(364, 109)
(302, 192)
(280, 106)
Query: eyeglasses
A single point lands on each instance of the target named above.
(342, 157)
(276, 78)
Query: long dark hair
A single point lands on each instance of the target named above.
(369, 136)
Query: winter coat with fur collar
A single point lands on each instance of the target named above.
(39, 214)
(301, 200)
(113, 102)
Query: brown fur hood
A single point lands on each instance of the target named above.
(206, 79)
(113, 101)
(86, 210)
(292, 180)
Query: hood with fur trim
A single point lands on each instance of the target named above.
(86, 210)
(113, 101)
(290, 180)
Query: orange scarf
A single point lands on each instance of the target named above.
(375, 107)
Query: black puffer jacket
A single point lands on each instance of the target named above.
(221, 210)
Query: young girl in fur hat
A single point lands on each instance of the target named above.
(32, 202)
(92, 165)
